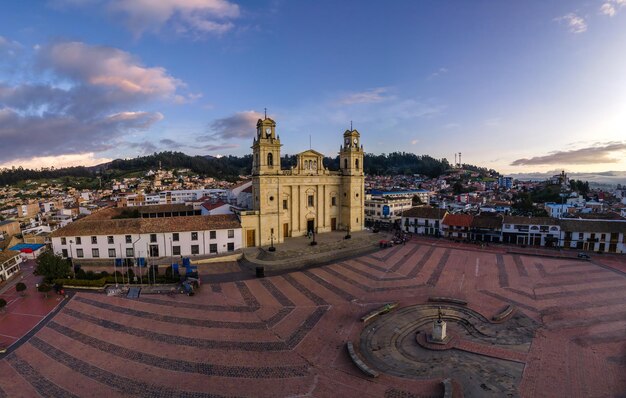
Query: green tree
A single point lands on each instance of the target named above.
(52, 266)
(20, 288)
(416, 200)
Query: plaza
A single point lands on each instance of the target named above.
(286, 335)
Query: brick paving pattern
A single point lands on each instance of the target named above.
(285, 335)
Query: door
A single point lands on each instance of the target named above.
(250, 238)
(285, 230)
(333, 224)
(310, 225)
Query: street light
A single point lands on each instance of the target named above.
(347, 232)
(272, 248)
(71, 259)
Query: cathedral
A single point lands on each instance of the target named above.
(305, 198)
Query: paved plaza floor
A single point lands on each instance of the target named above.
(285, 335)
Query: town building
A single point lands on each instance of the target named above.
(305, 198)
(486, 227)
(505, 183)
(9, 228)
(423, 220)
(457, 226)
(101, 236)
(28, 210)
(597, 235)
(534, 231)
(9, 264)
(385, 209)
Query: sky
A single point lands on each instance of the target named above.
(520, 87)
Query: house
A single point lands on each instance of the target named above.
(29, 251)
(558, 210)
(486, 227)
(457, 225)
(212, 208)
(597, 235)
(423, 220)
(9, 228)
(28, 210)
(9, 264)
(535, 231)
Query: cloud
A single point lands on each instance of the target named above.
(366, 97)
(144, 147)
(213, 148)
(108, 68)
(9, 47)
(605, 153)
(185, 17)
(241, 125)
(611, 7)
(88, 107)
(66, 160)
(414, 142)
(437, 73)
(171, 144)
(575, 23)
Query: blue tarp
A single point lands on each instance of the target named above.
(32, 246)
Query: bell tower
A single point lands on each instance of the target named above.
(352, 182)
(266, 148)
(351, 154)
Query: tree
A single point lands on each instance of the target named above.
(416, 200)
(3, 303)
(20, 288)
(45, 289)
(52, 266)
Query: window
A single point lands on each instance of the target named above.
(345, 163)
(152, 238)
(176, 250)
(79, 253)
(603, 237)
(110, 240)
(231, 246)
(63, 241)
(195, 249)
(175, 237)
(284, 204)
(311, 200)
(111, 253)
(194, 236)
(270, 159)
(94, 240)
(356, 164)
(231, 233)
(333, 201)
(64, 253)
(212, 234)
(129, 239)
(580, 235)
(213, 248)
(130, 252)
(95, 253)
(78, 241)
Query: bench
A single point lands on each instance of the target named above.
(359, 363)
(505, 313)
(382, 310)
(442, 299)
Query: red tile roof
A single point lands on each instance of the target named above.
(459, 220)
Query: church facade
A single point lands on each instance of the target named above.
(304, 198)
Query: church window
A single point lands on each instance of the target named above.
(270, 159)
(311, 200)
(356, 164)
(271, 198)
(284, 204)
(333, 201)
(345, 163)
(256, 160)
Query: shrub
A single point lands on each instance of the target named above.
(103, 274)
(45, 289)
(83, 282)
(20, 287)
(81, 274)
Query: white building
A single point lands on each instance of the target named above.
(423, 220)
(557, 210)
(597, 235)
(385, 209)
(9, 264)
(533, 231)
(100, 237)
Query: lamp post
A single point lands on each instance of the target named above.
(72, 260)
(347, 232)
(272, 248)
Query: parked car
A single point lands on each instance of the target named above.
(584, 256)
